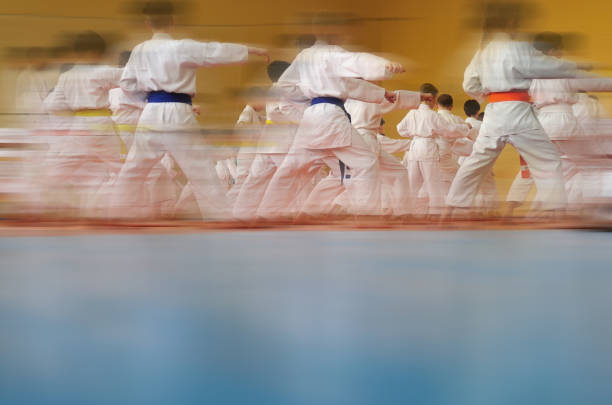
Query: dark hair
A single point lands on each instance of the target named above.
(481, 116)
(501, 15)
(89, 41)
(382, 122)
(305, 41)
(159, 13)
(124, 57)
(471, 107)
(445, 100)
(548, 41)
(276, 68)
(428, 88)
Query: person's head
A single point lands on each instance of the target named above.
(305, 41)
(159, 15)
(549, 43)
(89, 45)
(123, 58)
(276, 69)
(502, 16)
(431, 89)
(37, 56)
(445, 101)
(471, 108)
(331, 27)
(481, 116)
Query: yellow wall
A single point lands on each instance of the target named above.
(433, 38)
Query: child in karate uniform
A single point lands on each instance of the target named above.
(425, 125)
(503, 69)
(328, 75)
(88, 155)
(165, 69)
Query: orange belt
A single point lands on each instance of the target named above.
(525, 173)
(520, 95)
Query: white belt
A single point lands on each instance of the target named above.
(556, 108)
(424, 139)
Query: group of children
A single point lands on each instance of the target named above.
(125, 141)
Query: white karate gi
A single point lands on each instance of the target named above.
(554, 100)
(425, 125)
(282, 119)
(161, 185)
(506, 65)
(250, 122)
(448, 160)
(126, 109)
(165, 64)
(325, 132)
(86, 152)
(487, 198)
(394, 185)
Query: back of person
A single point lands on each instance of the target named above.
(504, 65)
(422, 124)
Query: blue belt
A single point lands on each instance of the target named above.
(165, 97)
(338, 102)
(331, 100)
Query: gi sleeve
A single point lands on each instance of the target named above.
(471, 79)
(449, 129)
(405, 100)
(288, 85)
(391, 145)
(128, 80)
(56, 100)
(592, 84)
(406, 127)
(358, 65)
(536, 65)
(358, 89)
(195, 53)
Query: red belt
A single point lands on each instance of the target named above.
(518, 95)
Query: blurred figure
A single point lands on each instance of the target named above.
(503, 70)
(249, 124)
(425, 125)
(487, 198)
(394, 185)
(161, 183)
(165, 70)
(554, 100)
(33, 85)
(87, 155)
(448, 159)
(328, 75)
(282, 119)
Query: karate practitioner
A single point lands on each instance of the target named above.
(425, 125)
(88, 154)
(165, 69)
(554, 99)
(471, 108)
(282, 119)
(448, 160)
(394, 185)
(329, 75)
(503, 69)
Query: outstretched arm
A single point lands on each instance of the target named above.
(215, 53)
(362, 65)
